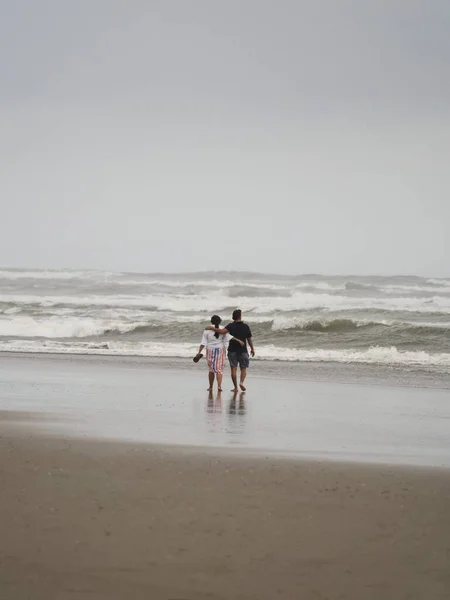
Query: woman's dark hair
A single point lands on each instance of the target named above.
(216, 321)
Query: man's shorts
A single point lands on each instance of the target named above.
(242, 359)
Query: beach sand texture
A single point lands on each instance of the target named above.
(105, 520)
(111, 519)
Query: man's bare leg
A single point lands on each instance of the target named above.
(211, 380)
(243, 376)
(234, 378)
(219, 381)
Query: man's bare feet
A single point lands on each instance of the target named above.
(242, 386)
(234, 390)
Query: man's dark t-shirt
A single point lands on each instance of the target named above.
(241, 331)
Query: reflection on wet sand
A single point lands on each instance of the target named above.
(237, 421)
(237, 404)
(214, 404)
(126, 401)
(231, 429)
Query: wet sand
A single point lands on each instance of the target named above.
(142, 401)
(109, 520)
(189, 499)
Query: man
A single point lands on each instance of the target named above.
(237, 354)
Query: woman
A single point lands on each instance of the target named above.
(215, 344)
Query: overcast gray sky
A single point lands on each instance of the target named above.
(282, 135)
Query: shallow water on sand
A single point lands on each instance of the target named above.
(145, 403)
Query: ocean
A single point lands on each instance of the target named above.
(402, 321)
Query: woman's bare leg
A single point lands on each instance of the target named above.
(219, 381)
(211, 380)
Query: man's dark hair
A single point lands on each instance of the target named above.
(237, 314)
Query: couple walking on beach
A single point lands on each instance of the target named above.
(215, 339)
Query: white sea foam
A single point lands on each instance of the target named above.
(442, 282)
(131, 279)
(416, 289)
(55, 327)
(375, 355)
(66, 324)
(12, 310)
(288, 287)
(204, 283)
(253, 282)
(213, 302)
(320, 285)
(52, 274)
(284, 322)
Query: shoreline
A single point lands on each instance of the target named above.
(150, 403)
(335, 372)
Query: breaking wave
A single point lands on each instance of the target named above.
(373, 355)
(63, 328)
(386, 320)
(67, 325)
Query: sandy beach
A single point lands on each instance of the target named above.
(115, 485)
(83, 519)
